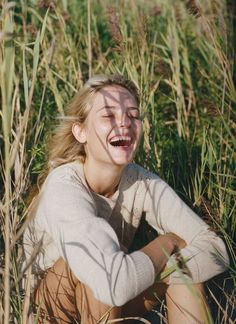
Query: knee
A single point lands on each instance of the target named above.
(58, 278)
(61, 271)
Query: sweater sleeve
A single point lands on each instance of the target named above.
(90, 245)
(166, 212)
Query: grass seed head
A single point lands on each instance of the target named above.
(193, 8)
(114, 27)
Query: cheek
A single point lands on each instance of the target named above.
(102, 128)
(98, 130)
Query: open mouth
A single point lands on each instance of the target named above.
(121, 141)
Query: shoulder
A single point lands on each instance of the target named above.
(65, 180)
(139, 180)
(69, 173)
(65, 190)
(134, 172)
(143, 181)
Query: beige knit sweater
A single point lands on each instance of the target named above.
(88, 230)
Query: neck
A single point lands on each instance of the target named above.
(101, 179)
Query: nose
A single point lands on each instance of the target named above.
(124, 120)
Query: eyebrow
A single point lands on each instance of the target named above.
(113, 108)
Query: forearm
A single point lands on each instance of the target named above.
(203, 260)
(160, 249)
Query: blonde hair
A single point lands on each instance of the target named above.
(63, 147)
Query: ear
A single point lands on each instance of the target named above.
(79, 133)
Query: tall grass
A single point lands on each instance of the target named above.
(180, 54)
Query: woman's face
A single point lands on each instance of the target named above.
(113, 127)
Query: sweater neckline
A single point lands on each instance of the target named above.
(109, 199)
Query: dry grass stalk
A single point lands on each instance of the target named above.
(210, 216)
(7, 85)
(27, 302)
(226, 318)
(89, 37)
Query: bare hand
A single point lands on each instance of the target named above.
(162, 247)
(178, 242)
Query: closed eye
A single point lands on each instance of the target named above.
(135, 114)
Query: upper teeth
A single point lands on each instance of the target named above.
(120, 138)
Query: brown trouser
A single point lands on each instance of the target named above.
(62, 298)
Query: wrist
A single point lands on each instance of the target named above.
(159, 251)
(168, 243)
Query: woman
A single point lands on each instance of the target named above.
(89, 209)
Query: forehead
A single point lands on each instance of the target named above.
(113, 96)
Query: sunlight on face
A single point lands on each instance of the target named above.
(113, 127)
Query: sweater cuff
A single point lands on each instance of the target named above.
(145, 272)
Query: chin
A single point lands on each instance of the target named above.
(122, 161)
(122, 156)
